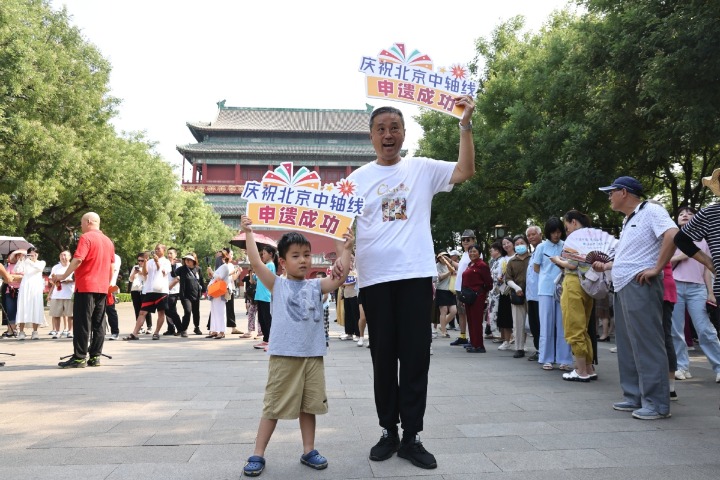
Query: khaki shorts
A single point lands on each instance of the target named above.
(295, 384)
(61, 307)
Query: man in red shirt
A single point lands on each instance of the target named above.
(93, 266)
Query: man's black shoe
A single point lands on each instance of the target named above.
(197, 331)
(460, 341)
(73, 362)
(94, 361)
(169, 331)
(414, 451)
(534, 357)
(519, 354)
(384, 449)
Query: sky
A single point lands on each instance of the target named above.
(172, 61)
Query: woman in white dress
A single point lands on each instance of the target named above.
(30, 297)
(218, 313)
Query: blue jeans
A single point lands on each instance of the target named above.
(693, 297)
(10, 305)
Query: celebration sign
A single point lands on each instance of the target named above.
(299, 201)
(410, 78)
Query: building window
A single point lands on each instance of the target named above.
(252, 173)
(220, 174)
(332, 175)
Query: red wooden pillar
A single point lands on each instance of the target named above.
(204, 173)
(194, 178)
(348, 171)
(237, 174)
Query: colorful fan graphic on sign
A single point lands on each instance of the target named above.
(395, 75)
(299, 201)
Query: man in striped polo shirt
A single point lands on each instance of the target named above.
(645, 246)
(705, 224)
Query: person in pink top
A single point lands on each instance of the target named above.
(669, 301)
(694, 291)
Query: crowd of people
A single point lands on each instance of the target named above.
(660, 270)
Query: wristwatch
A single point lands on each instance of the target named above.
(465, 127)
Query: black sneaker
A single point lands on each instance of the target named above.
(169, 331)
(534, 357)
(414, 451)
(384, 449)
(197, 331)
(673, 396)
(94, 361)
(519, 354)
(460, 341)
(73, 362)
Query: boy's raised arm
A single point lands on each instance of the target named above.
(263, 273)
(331, 283)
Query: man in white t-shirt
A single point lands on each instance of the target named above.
(156, 270)
(646, 245)
(61, 304)
(110, 310)
(396, 257)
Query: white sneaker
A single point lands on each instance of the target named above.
(69, 335)
(717, 378)
(63, 334)
(360, 342)
(367, 345)
(21, 336)
(435, 334)
(52, 332)
(504, 346)
(680, 375)
(345, 336)
(35, 336)
(431, 352)
(613, 350)
(687, 374)
(355, 338)
(56, 335)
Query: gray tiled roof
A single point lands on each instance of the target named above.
(287, 120)
(279, 149)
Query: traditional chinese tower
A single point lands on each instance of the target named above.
(244, 143)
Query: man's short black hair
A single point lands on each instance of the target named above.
(291, 238)
(381, 110)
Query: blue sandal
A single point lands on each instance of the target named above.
(254, 466)
(313, 459)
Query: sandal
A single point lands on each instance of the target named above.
(212, 335)
(313, 459)
(565, 368)
(218, 337)
(254, 466)
(547, 366)
(246, 335)
(156, 336)
(132, 336)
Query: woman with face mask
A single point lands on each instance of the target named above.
(515, 278)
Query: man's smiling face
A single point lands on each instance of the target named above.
(387, 136)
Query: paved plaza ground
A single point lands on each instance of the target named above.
(188, 409)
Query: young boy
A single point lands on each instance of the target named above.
(296, 376)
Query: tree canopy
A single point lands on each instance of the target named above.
(622, 88)
(60, 156)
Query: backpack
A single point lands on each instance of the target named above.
(595, 284)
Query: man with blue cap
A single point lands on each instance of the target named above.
(645, 247)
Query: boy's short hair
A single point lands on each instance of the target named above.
(289, 239)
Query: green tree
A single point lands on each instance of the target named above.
(60, 157)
